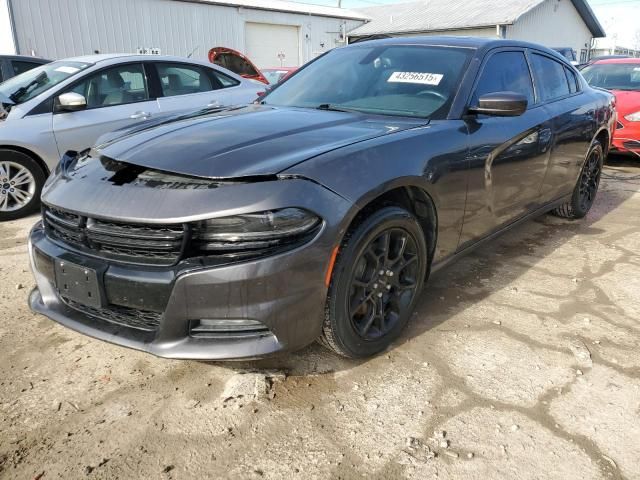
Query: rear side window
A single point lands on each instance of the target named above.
(21, 67)
(178, 79)
(225, 80)
(574, 86)
(551, 79)
(505, 72)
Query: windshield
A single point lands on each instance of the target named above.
(402, 80)
(613, 76)
(30, 84)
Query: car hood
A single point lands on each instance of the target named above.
(245, 141)
(627, 102)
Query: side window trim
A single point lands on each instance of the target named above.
(539, 100)
(485, 61)
(73, 85)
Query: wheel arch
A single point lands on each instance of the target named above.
(410, 195)
(604, 137)
(31, 154)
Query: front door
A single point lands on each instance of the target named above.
(508, 155)
(117, 97)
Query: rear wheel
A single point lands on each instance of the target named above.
(586, 189)
(21, 181)
(376, 281)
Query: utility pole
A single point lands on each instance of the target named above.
(339, 3)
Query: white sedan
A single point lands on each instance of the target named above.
(66, 105)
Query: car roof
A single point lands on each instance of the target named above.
(109, 57)
(617, 60)
(25, 58)
(477, 43)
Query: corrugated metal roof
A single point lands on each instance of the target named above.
(291, 7)
(435, 15)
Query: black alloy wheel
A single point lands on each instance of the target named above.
(377, 278)
(384, 283)
(586, 189)
(590, 180)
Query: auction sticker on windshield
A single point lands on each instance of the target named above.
(416, 77)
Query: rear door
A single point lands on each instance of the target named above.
(573, 122)
(508, 155)
(117, 96)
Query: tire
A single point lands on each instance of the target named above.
(17, 199)
(586, 189)
(372, 293)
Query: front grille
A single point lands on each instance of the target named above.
(124, 316)
(126, 242)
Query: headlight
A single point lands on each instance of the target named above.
(254, 231)
(633, 117)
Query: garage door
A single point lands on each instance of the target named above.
(270, 45)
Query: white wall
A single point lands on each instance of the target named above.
(176, 28)
(6, 38)
(554, 23)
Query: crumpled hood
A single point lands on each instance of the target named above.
(246, 141)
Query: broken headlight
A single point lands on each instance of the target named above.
(255, 231)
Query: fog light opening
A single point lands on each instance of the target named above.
(227, 327)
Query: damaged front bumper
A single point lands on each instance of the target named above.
(192, 310)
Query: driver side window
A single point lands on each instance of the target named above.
(115, 86)
(505, 72)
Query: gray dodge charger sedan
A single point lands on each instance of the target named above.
(318, 213)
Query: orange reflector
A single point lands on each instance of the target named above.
(332, 262)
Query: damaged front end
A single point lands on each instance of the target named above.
(181, 266)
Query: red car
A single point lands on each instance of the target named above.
(622, 77)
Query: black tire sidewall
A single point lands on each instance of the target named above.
(577, 210)
(348, 340)
(39, 176)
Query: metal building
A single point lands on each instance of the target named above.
(554, 23)
(270, 32)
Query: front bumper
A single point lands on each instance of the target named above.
(627, 138)
(285, 293)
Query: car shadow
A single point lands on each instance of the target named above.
(470, 280)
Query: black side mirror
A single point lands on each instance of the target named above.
(501, 104)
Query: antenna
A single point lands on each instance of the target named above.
(193, 51)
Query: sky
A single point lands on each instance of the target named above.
(620, 18)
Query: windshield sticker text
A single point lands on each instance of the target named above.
(416, 77)
(67, 69)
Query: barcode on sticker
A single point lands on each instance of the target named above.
(416, 77)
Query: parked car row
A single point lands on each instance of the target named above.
(315, 213)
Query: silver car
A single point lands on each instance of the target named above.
(66, 105)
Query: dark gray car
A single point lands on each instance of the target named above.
(13, 65)
(318, 213)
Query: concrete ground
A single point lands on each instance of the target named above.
(522, 362)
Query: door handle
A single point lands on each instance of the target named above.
(140, 115)
(214, 104)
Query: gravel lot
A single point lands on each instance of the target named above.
(522, 361)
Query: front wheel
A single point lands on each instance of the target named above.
(377, 278)
(21, 181)
(584, 193)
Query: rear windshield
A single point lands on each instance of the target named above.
(613, 76)
(30, 84)
(400, 80)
